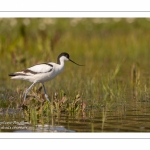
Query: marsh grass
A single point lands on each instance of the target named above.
(114, 80)
(38, 110)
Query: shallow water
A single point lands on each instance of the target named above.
(130, 119)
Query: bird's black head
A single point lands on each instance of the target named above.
(67, 57)
(61, 55)
(65, 54)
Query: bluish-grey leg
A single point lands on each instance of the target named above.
(46, 96)
(25, 95)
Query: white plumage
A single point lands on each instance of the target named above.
(39, 73)
(42, 72)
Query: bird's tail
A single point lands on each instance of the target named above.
(17, 75)
(13, 74)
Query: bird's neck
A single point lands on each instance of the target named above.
(60, 61)
(60, 67)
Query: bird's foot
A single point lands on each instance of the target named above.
(46, 96)
(23, 106)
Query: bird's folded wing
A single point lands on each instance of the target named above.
(41, 68)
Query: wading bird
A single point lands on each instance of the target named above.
(42, 72)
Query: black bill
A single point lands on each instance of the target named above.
(76, 63)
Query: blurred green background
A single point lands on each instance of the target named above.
(109, 47)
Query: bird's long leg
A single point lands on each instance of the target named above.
(46, 96)
(25, 95)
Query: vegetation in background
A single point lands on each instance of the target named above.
(115, 52)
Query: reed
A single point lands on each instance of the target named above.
(115, 76)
